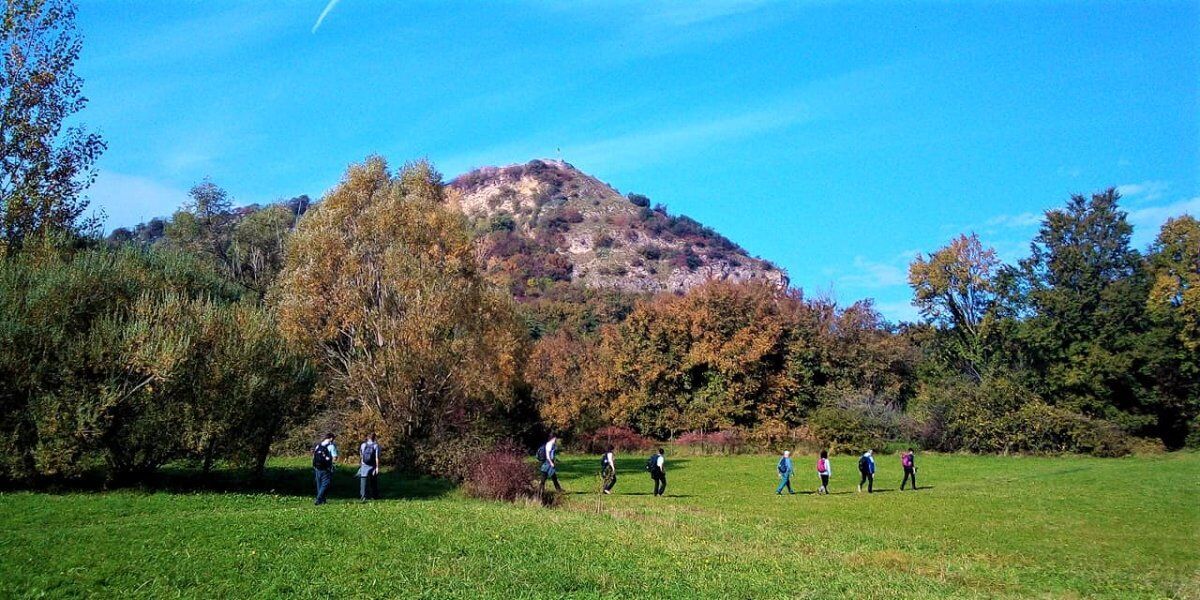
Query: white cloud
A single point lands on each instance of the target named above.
(131, 199)
(1025, 219)
(897, 312)
(872, 274)
(1148, 220)
(1146, 191)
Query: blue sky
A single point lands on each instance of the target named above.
(836, 139)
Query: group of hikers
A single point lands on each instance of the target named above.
(866, 468)
(325, 455)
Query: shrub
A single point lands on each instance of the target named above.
(501, 473)
(650, 252)
(639, 200)
(727, 441)
(622, 439)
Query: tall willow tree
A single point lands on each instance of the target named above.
(380, 281)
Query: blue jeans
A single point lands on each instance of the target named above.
(323, 478)
(786, 481)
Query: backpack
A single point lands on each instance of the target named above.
(782, 467)
(541, 453)
(864, 464)
(370, 454)
(821, 468)
(652, 463)
(322, 459)
(906, 461)
(604, 460)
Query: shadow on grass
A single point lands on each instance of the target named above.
(283, 480)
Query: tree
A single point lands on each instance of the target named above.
(257, 245)
(1173, 341)
(1082, 296)
(954, 289)
(203, 225)
(380, 281)
(44, 169)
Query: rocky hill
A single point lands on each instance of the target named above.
(546, 222)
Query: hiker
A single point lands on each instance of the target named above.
(907, 461)
(866, 466)
(608, 470)
(368, 469)
(657, 465)
(785, 473)
(824, 469)
(549, 470)
(323, 467)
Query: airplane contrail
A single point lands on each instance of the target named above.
(324, 13)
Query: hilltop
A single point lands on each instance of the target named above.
(546, 221)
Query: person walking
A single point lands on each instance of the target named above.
(866, 466)
(546, 455)
(785, 473)
(657, 465)
(323, 468)
(608, 470)
(368, 469)
(908, 461)
(824, 470)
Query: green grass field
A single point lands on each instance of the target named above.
(981, 526)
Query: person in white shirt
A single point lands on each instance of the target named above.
(658, 472)
(546, 454)
(608, 470)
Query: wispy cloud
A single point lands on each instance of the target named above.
(324, 13)
(1025, 219)
(130, 199)
(868, 274)
(1148, 220)
(819, 100)
(1146, 191)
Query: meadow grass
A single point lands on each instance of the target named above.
(979, 527)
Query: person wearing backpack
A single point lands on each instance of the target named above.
(608, 470)
(657, 465)
(368, 469)
(824, 469)
(549, 470)
(322, 468)
(785, 473)
(908, 461)
(866, 466)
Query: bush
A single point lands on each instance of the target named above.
(639, 200)
(728, 441)
(847, 429)
(501, 473)
(622, 439)
(650, 252)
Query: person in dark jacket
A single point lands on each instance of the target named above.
(368, 469)
(866, 466)
(323, 468)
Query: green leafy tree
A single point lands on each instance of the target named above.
(1082, 298)
(44, 166)
(954, 288)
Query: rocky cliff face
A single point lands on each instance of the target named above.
(545, 221)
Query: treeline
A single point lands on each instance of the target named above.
(1084, 346)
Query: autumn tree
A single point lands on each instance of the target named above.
(44, 166)
(1173, 342)
(257, 244)
(954, 288)
(380, 281)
